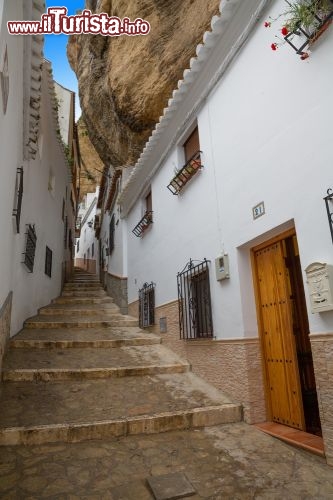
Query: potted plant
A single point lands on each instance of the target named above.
(303, 22)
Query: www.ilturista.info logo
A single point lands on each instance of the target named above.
(56, 21)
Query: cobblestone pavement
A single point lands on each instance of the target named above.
(232, 461)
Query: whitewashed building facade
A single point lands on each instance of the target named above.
(87, 247)
(35, 177)
(231, 255)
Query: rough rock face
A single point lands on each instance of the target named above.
(90, 161)
(125, 82)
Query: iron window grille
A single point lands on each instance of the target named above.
(194, 301)
(147, 305)
(18, 198)
(186, 173)
(48, 262)
(143, 225)
(30, 247)
(329, 209)
(307, 36)
(111, 234)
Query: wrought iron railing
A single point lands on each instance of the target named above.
(30, 247)
(143, 225)
(194, 301)
(18, 198)
(147, 305)
(329, 208)
(186, 173)
(48, 262)
(111, 234)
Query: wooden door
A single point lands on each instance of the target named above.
(279, 350)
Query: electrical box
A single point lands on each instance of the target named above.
(320, 285)
(222, 267)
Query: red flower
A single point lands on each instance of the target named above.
(284, 31)
(305, 55)
(274, 46)
(267, 24)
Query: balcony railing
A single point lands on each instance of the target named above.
(143, 225)
(185, 174)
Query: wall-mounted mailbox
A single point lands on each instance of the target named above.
(320, 284)
(222, 267)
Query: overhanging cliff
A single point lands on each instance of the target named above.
(125, 82)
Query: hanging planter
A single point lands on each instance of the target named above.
(304, 22)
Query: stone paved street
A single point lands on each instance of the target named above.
(232, 461)
(93, 404)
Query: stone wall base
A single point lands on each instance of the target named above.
(233, 366)
(322, 352)
(5, 316)
(116, 287)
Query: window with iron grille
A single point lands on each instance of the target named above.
(194, 301)
(65, 232)
(63, 209)
(111, 234)
(30, 247)
(18, 198)
(147, 305)
(48, 262)
(4, 80)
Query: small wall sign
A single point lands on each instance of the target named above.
(258, 210)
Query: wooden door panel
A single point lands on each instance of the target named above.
(277, 336)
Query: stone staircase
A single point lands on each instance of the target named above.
(80, 370)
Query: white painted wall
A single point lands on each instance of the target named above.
(116, 263)
(265, 133)
(41, 207)
(87, 211)
(65, 103)
(11, 132)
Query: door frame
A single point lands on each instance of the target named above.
(267, 393)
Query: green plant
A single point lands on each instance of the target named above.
(300, 15)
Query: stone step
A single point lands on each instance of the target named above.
(72, 364)
(83, 300)
(83, 287)
(74, 411)
(79, 309)
(49, 338)
(84, 293)
(112, 320)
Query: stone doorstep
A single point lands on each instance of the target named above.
(77, 344)
(52, 374)
(80, 324)
(146, 424)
